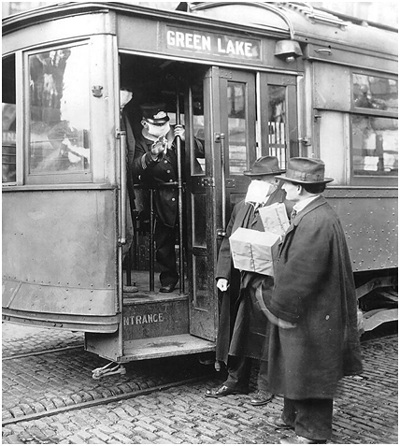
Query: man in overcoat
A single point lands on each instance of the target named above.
(156, 166)
(313, 340)
(242, 326)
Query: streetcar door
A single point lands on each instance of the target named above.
(225, 116)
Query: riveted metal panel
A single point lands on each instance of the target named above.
(59, 253)
(369, 219)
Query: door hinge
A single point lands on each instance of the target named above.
(207, 182)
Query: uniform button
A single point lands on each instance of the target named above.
(168, 171)
(165, 161)
(173, 199)
(171, 180)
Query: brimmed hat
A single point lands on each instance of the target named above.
(155, 113)
(266, 165)
(305, 171)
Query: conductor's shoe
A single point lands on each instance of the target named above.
(222, 391)
(168, 288)
(262, 397)
(300, 440)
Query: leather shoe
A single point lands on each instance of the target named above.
(300, 440)
(278, 423)
(167, 288)
(221, 391)
(262, 397)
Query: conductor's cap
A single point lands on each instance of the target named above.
(155, 113)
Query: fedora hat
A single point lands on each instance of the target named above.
(154, 113)
(305, 171)
(266, 165)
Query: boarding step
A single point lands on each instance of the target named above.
(159, 347)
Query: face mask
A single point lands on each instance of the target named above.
(158, 130)
(259, 191)
(124, 97)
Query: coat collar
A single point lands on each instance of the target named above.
(320, 201)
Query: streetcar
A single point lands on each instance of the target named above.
(248, 79)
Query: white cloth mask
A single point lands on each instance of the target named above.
(124, 97)
(259, 191)
(158, 130)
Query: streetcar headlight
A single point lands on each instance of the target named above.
(288, 50)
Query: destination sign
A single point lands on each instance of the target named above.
(213, 44)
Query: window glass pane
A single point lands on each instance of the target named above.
(375, 145)
(375, 92)
(199, 227)
(9, 121)
(198, 166)
(200, 282)
(237, 141)
(277, 123)
(59, 111)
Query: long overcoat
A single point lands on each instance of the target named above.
(314, 289)
(242, 325)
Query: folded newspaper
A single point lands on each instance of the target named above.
(274, 218)
(252, 250)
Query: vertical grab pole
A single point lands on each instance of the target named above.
(180, 199)
(223, 194)
(123, 187)
(121, 136)
(151, 240)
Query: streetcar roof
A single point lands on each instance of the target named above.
(295, 20)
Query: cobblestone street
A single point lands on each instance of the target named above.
(67, 406)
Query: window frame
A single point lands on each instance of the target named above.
(61, 177)
(360, 179)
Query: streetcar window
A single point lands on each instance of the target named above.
(198, 166)
(59, 111)
(237, 127)
(375, 145)
(375, 92)
(9, 121)
(276, 122)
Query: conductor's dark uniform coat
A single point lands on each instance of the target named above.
(314, 289)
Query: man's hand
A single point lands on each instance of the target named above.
(222, 284)
(158, 147)
(179, 131)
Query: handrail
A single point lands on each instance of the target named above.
(180, 198)
(123, 186)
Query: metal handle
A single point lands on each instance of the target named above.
(123, 187)
(221, 138)
(180, 198)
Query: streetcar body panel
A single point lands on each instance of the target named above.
(84, 293)
(247, 80)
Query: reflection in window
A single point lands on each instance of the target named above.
(198, 166)
(375, 145)
(9, 121)
(200, 282)
(237, 141)
(375, 92)
(59, 107)
(199, 229)
(277, 123)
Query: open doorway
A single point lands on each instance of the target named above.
(157, 234)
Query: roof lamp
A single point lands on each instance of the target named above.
(288, 50)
